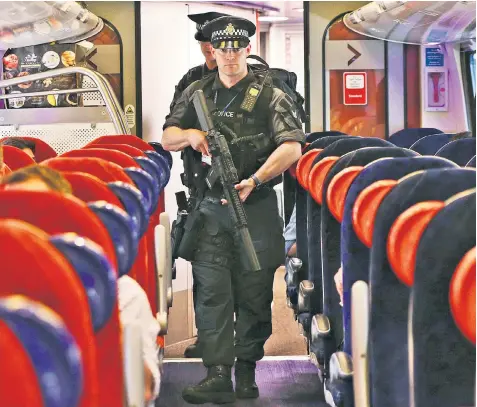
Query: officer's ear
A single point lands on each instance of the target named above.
(248, 50)
(214, 51)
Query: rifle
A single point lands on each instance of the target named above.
(222, 164)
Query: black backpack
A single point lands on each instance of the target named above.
(282, 79)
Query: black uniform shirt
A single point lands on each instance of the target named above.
(285, 124)
(192, 75)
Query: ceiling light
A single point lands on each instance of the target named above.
(272, 18)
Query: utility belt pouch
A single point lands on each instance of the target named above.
(177, 232)
(192, 228)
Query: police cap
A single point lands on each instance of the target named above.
(202, 19)
(229, 32)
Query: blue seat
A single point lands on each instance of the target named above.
(471, 163)
(460, 151)
(388, 326)
(311, 137)
(134, 203)
(444, 360)
(163, 164)
(429, 145)
(52, 349)
(120, 227)
(145, 183)
(355, 255)
(160, 150)
(407, 137)
(95, 271)
(155, 172)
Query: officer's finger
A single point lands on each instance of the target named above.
(224, 202)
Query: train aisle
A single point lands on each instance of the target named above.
(283, 381)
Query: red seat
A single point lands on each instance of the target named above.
(123, 139)
(16, 158)
(117, 157)
(33, 267)
(43, 151)
(124, 148)
(56, 213)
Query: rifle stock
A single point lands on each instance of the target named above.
(222, 160)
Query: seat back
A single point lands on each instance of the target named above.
(56, 213)
(355, 255)
(53, 282)
(407, 137)
(389, 297)
(55, 356)
(16, 158)
(443, 359)
(460, 151)
(429, 145)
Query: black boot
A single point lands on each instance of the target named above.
(216, 388)
(245, 386)
(194, 350)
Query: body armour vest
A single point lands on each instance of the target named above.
(250, 144)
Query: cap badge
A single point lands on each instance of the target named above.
(230, 29)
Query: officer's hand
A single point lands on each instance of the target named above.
(198, 141)
(245, 188)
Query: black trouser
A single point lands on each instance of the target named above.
(221, 273)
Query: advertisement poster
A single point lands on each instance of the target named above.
(40, 58)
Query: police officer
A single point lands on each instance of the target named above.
(269, 141)
(200, 71)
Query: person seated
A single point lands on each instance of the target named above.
(289, 235)
(132, 300)
(25, 145)
(339, 283)
(461, 135)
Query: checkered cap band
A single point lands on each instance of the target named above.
(226, 35)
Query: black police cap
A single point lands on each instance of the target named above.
(201, 19)
(222, 30)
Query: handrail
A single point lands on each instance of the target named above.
(102, 86)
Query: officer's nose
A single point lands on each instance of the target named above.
(230, 54)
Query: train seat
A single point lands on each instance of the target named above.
(43, 150)
(16, 158)
(407, 137)
(459, 151)
(56, 213)
(389, 298)
(471, 163)
(443, 359)
(430, 145)
(51, 348)
(53, 282)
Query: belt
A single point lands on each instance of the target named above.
(254, 197)
(213, 200)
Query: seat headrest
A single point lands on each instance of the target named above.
(459, 151)
(163, 164)
(471, 163)
(317, 177)
(113, 156)
(134, 203)
(407, 137)
(52, 349)
(122, 231)
(303, 166)
(124, 148)
(462, 295)
(338, 188)
(16, 158)
(95, 271)
(43, 151)
(123, 139)
(160, 150)
(429, 145)
(145, 183)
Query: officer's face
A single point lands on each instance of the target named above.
(206, 49)
(232, 61)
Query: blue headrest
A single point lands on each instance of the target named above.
(53, 351)
(444, 361)
(389, 297)
(471, 163)
(160, 150)
(323, 142)
(95, 271)
(162, 163)
(121, 229)
(311, 137)
(459, 151)
(407, 137)
(135, 204)
(354, 254)
(155, 172)
(145, 183)
(429, 145)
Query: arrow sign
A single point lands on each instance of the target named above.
(357, 54)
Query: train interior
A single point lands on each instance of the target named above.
(377, 305)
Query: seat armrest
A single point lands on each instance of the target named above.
(133, 364)
(341, 366)
(304, 296)
(160, 245)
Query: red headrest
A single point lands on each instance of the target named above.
(19, 381)
(89, 188)
(33, 267)
(104, 170)
(366, 207)
(123, 139)
(304, 166)
(4, 170)
(16, 158)
(338, 189)
(124, 148)
(405, 235)
(117, 157)
(462, 295)
(317, 176)
(43, 151)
